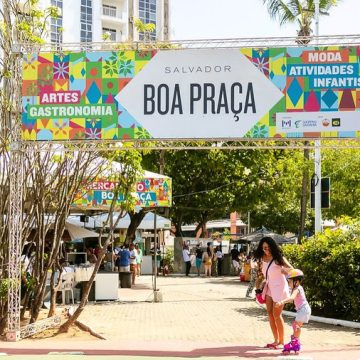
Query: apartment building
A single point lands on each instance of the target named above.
(89, 20)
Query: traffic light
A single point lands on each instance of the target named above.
(325, 193)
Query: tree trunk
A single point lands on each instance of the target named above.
(177, 223)
(84, 298)
(135, 220)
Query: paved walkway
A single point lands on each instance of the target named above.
(198, 317)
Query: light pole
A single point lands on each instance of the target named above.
(317, 157)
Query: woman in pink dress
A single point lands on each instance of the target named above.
(276, 289)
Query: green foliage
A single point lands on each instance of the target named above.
(342, 165)
(169, 259)
(144, 28)
(4, 287)
(226, 234)
(210, 184)
(331, 264)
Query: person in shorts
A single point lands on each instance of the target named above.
(303, 310)
(133, 264)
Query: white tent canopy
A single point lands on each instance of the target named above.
(77, 232)
(146, 224)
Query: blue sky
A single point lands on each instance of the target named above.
(215, 19)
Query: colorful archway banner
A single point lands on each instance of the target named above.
(192, 93)
(150, 192)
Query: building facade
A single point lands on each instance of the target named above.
(89, 20)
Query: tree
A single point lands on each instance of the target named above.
(51, 180)
(302, 13)
(19, 23)
(341, 166)
(126, 180)
(209, 184)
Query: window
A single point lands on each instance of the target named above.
(147, 14)
(56, 24)
(109, 10)
(86, 21)
(111, 32)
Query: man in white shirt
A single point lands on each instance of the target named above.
(133, 265)
(219, 259)
(186, 256)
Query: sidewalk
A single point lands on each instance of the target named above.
(199, 317)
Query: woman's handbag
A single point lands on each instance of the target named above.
(262, 290)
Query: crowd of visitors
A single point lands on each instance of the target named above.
(212, 259)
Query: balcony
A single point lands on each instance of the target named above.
(113, 15)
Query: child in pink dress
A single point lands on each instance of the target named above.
(303, 310)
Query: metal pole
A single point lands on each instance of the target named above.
(249, 222)
(15, 236)
(156, 291)
(317, 158)
(317, 13)
(155, 253)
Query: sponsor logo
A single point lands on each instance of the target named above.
(286, 124)
(326, 122)
(335, 122)
(298, 124)
(309, 123)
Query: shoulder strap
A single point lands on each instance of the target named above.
(267, 269)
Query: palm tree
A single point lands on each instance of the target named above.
(301, 12)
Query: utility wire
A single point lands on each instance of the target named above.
(217, 188)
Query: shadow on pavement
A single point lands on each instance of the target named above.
(230, 351)
(328, 327)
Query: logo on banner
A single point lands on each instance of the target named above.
(286, 124)
(298, 124)
(335, 122)
(326, 122)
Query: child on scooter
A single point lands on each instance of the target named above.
(303, 310)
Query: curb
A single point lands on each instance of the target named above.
(345, 323)
(319, 319)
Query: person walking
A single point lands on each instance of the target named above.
(276, 289)
(207, 260)
(133, 264)
(219, 259)
(303, 310)
(213, 261)
(123, 259)
(139, 256)
(198, 254)
(235, 260)
(253, 275)
(186, 257)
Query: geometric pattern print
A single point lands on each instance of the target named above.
(99, 76)
(151, 192)
(96, 78)
(300, 94)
